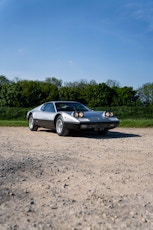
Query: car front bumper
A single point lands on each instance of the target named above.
(97, 126)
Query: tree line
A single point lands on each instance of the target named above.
(29, 93)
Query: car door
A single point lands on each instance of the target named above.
(45, 117)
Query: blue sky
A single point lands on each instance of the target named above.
(77, 39)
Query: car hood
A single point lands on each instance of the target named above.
(92, 115)
(97, 116)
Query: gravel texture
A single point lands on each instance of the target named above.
(83, 181)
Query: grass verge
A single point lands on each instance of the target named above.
(131, 123)
(13, 123)
(136, 123)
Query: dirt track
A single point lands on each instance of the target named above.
(76, 182)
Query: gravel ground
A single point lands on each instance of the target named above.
(77, 182)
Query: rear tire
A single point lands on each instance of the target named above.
(60, 127)
(32, 125)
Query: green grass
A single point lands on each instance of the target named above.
(137, 123)
(13, 123)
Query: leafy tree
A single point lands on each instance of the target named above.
(54, 81)
(30, 93)
(81, 89)
(145, 94)
(124, 96)
(3, 80)
(9, 95)
(82, 82)
(33, 93)
(103, 95)
(68, 93)
(97, 95)
(49, 92)
(26, 93)
(78, 90)
(112, 83)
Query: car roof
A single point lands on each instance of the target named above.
(63, 102)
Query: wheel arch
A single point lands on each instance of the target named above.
(55, 118)
(29, 115)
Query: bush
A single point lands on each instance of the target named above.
(13, 113)
(122, 112)
(127, 112)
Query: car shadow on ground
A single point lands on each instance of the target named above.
(109, 135)
(90, 134)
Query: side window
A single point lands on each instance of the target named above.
(49, 107)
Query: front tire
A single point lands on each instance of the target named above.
(32, 125)
(60, 127)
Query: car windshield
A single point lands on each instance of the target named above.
(70, 106)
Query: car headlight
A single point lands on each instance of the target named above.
(81, 114)
(108, 114)
(77, 114)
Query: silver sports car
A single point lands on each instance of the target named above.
(64, 116)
